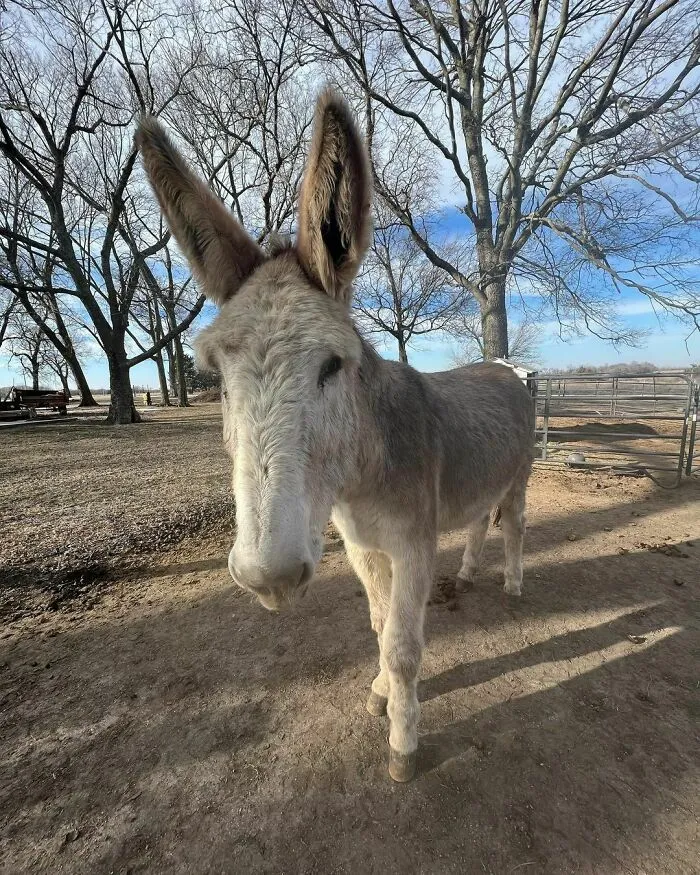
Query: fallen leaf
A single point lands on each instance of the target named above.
(665, 549)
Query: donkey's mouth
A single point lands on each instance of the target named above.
(270, 599)
(277, 599)
(274, 591)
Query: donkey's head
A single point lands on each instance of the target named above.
(283, 343)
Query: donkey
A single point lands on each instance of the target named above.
(317, 424)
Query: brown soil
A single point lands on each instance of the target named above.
(207, 396)
(169, 724)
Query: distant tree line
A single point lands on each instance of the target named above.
(616, 369)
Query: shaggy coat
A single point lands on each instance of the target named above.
(317, 424)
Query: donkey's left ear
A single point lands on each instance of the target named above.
(222, 256)
(334, 209)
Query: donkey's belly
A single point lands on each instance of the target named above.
(452, 518)
(463, 504)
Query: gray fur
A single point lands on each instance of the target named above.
(316, 423)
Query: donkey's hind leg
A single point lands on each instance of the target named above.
(472, 554)
(513, 526)
(374, 570)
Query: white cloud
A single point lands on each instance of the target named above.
(640, 307)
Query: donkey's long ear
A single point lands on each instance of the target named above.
(334, 209)
(220, 252)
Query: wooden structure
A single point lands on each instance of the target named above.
(29, 400)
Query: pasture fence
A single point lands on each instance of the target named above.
(630, 424)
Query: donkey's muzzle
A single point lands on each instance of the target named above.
(272, 588)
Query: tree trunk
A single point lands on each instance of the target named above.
(122, 410)
(177, 359)
(63, 377)
(157, 333)
(86, 398)
(494, 321)
(181, 376)
(162, 380)
(171, 369)
(403, 355)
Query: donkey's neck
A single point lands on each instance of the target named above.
(394, 422)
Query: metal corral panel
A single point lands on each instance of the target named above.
(596, 421)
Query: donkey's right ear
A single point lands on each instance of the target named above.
(220, 252)
(335, 201)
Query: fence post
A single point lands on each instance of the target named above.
(613, 397)
(693, 414)
(545, 425)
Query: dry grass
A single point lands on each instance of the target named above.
(78, 497)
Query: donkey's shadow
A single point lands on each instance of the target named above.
(568, 645)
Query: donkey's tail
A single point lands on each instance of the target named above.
(497, 516)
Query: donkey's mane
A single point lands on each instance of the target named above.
(279, 244)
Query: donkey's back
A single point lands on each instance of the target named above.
(486, 422)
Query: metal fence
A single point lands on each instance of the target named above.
(625, 423)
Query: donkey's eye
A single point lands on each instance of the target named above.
(330, 367)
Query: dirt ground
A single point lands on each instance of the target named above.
(159, 721)
(621, 444)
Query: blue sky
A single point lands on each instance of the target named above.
(667, 342)
(665, 346)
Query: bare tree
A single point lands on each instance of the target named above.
(523, 343)
(27, 277)
(7, 306)
(73, 77)
(568, 131)
(399, 291)
(159, 306)
(247, 113)
(55, 365)
(71, 80)
(27, 346)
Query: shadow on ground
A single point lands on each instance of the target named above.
(191, 731)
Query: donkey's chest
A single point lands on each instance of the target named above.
(360, 524)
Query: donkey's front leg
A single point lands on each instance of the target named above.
(402, 647)
(374, 570)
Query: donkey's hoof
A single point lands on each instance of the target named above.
(402, 766)
(512, 588)
(463, 585)
(376, 704)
